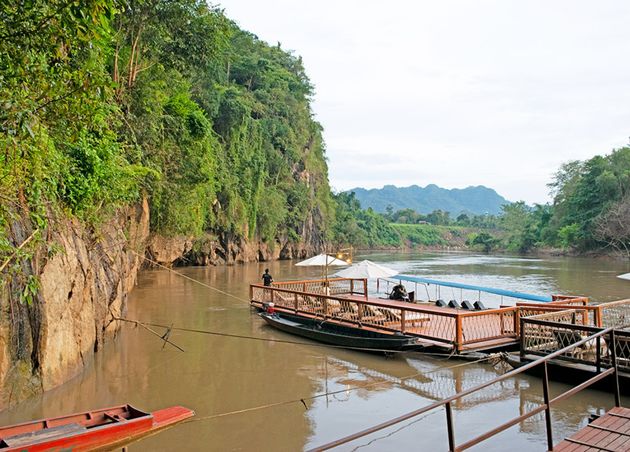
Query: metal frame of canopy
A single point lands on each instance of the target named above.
(492, 290)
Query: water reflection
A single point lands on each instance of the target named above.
(218, 375)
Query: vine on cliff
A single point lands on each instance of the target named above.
(105, 100)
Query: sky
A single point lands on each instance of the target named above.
(457, 92)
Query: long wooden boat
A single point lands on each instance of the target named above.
(339, 335)
(91, 430)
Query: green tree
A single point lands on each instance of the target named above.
(483, 240)
(584, 191)
(518, 224)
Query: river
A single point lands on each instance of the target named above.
(217, 375)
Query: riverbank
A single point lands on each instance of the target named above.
(428, 237)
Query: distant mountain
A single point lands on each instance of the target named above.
(475, 200)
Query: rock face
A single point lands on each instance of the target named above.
(224, 250)
(229, 249)
(83, 280)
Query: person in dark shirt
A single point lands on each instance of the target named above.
(399, 293)
(267, 278)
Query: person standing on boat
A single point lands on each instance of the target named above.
(267, 278)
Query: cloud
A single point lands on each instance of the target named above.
(458, 93)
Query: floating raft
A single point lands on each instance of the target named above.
(344, 302)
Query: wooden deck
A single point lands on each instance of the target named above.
(610, 432)
(437, 327)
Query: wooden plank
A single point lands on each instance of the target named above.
(620, 411)
(587, 445)
(586, 434)
(619, 444)
(609, 432)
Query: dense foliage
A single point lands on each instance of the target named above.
(104, 100)
(362, 228)
(590, 211)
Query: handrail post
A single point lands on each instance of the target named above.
(547, 408)
(614, 363)
(272, 295)
(352, 287)
(522, 337)
(365, 289)
(402, 320)
(295, 301)
(598, 353)
(458, 332)
(378, 285)
(251, 292)
(449, 427)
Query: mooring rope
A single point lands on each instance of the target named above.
(332, 393)
(302, 400)
(190, 279)
(266, 339)
(217, 333)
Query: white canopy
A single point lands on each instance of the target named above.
(624, 276)
(321, 260)
(366, 269)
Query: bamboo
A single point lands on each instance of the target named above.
(29, 238)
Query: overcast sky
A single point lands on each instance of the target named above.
(457, 92)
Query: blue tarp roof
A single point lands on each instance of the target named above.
(504, 293)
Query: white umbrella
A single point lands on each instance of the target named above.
(624, 276)
(366, 269)
(321, 260)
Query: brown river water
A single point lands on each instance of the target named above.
(222, 377)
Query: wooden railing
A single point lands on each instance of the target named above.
(330, 286)
(569, 300)
(544, 407)
(458, 328)
(546, 333)
(610, 314)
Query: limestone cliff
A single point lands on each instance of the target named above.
(83, 277)
(228, 249)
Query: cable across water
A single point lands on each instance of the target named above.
(301, 400)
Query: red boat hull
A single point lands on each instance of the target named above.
(88, 431)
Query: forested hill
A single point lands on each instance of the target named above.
(471, 200)
(104, 101)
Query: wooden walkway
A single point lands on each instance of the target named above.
(610, 432)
